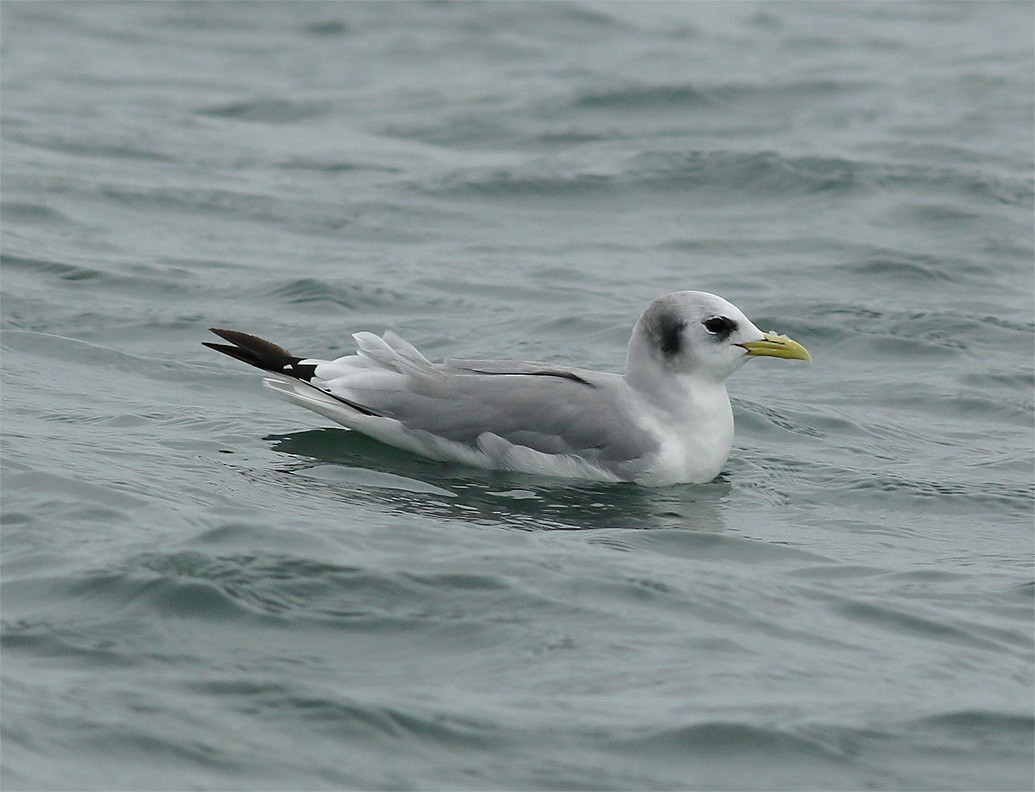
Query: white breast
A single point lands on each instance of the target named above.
(695, 436)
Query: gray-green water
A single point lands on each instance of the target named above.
(206, 588)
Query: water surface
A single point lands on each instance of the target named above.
(206, 588)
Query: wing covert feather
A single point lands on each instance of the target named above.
(541, 407)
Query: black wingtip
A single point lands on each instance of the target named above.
(268, 356)
(251, 342)
(232, 351)
(254, 351)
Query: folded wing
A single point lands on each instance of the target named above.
(492, 413)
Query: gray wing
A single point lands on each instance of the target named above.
(549, 409)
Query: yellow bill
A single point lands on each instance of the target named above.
(780, 346)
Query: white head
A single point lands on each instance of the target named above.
(700, 334)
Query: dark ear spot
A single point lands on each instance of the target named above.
(669, 334)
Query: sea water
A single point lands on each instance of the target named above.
(205, 588)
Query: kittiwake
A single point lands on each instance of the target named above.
(666, 420)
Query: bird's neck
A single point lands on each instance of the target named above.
(668, 388)
(683, 396)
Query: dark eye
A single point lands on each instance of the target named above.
(719, 325)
